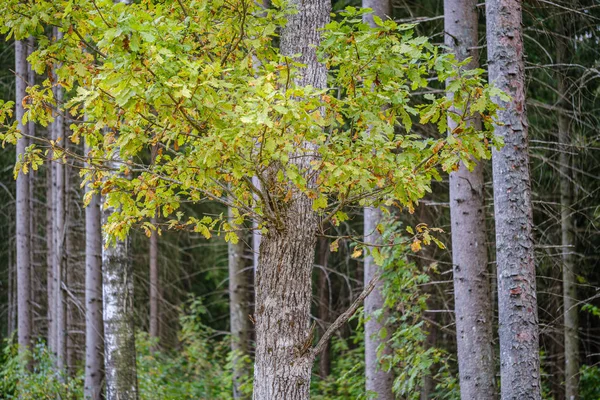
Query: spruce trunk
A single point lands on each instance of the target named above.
(94, 327)
(472, 302)
(23, 242)
(517, 301)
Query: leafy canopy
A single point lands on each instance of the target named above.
(203, 84)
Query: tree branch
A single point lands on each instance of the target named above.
(343, 318)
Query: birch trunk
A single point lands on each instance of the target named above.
(517, 302)
(283, 287)
(571, 316)
(472, 305)
(23, 234)
(238, 310)
(94, 328)
(118, 314)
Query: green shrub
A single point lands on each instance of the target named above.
(42, 382)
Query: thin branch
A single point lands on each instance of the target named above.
(343, 318)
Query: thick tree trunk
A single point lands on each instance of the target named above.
(517, 302)
(571, 316)
(283, 306)
(283, 281)
(94, 327)
(23, 243)
(118, 314)
(473, 309)
(238, 310)
(377, 380)
(154, 284)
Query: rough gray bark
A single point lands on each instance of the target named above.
(377, 380)
(517, 302)
(154, 284)
(472, 305)
(119, 332)
(283, 281)
(23, 239)
(94, 327)
(34, 250)
(238, 309)
(571, 316)
(50, 248)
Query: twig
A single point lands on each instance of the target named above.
(343, 318)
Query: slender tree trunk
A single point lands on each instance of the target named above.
(22, 221)
(323, 296)
(238, 310)
(517, 302)
(60, 232)
(473, 309)
(35, 281)
(12, 306)
(50, 247)
(154, 284)
(571, 316)
(94, 327)
(256, 236)
(283, 287)
(378, 380)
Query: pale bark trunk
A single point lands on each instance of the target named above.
(517, 302)
(283, 287)
(571, 316)
(119, 335)
(238, 309)
(473, 309)
(154, 284)
(23, 241)
(94, 327)
(377, 380)
(35, 281)
(60, 232)
(118, 315)
(256, 236)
